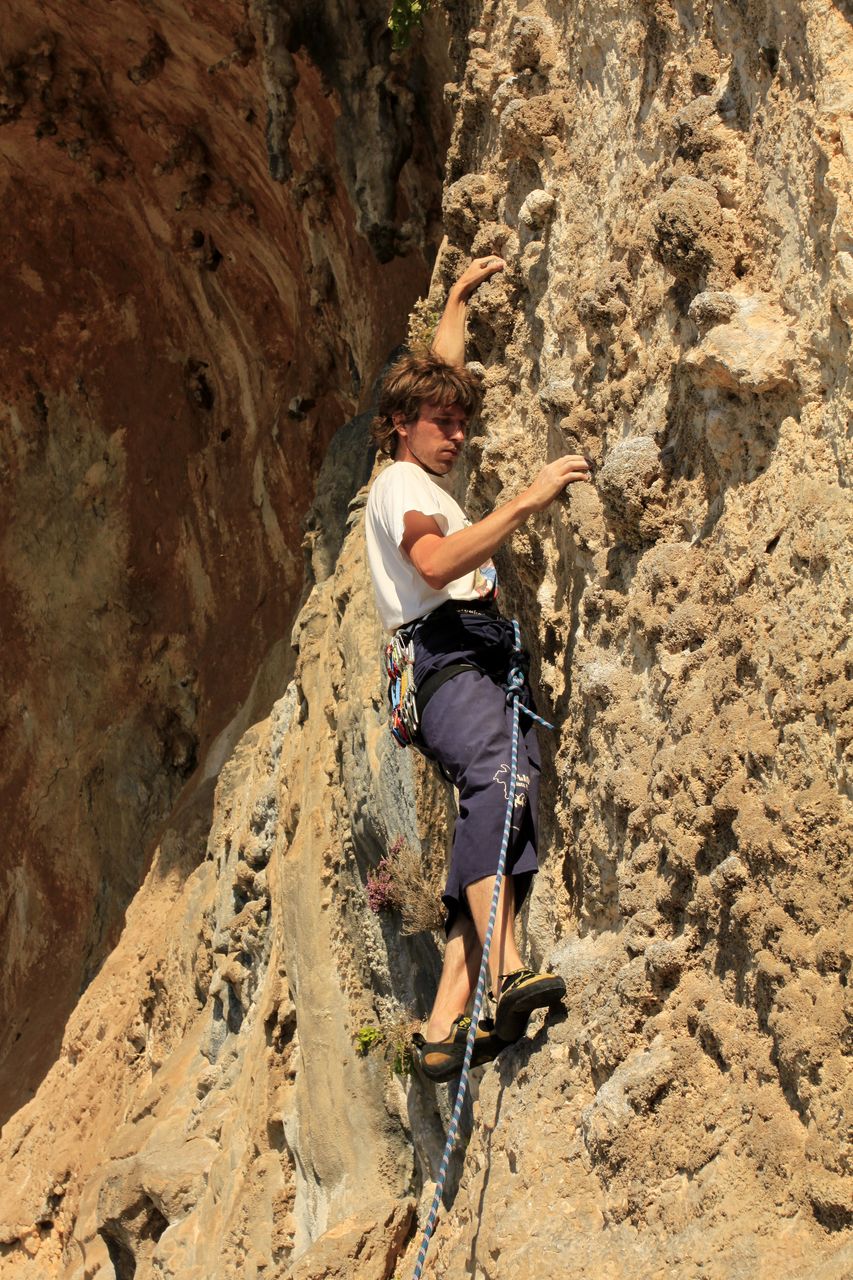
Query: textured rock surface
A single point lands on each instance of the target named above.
(670, 187)
(247, 1128)
(184, 201)
(750, 350)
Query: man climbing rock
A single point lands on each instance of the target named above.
(436, 585)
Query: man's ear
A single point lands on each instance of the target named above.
(399, 420)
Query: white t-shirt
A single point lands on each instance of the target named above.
(401, 592)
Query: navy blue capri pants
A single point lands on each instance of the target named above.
(467, 728)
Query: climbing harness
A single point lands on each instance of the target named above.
(514, 687)
(406, 700)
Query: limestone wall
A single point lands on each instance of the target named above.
(670, 186)
(201, 275)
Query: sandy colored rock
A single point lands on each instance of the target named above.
(630, 482)
(179, 217)
(694, 237)
(537, 209)
(751, 352)
(367, 1245)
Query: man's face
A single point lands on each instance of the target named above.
(435, 439)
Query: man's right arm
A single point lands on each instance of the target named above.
(440, 559)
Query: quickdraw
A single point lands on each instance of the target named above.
(402, 693)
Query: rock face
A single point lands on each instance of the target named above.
(670, 188)
(200, 278)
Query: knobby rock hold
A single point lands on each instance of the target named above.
(531, 43)
(694, 236)
(524, 123)
(630, 483)
(468, 202)
(537, 210)
(366, 1245)
(748, 349)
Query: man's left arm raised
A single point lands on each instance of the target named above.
(449, 340)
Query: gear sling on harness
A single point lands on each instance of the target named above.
(406, 699)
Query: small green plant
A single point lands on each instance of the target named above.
(365, 1038)
(404, 15)
(395, 1035)
(401, 1063)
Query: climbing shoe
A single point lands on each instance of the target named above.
(440, 1059)
(522, 992)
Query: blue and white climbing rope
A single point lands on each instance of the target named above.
(514, 687)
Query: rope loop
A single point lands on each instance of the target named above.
(516, 679)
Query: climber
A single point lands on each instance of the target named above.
(436, 585)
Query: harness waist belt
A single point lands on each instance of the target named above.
(489, 607)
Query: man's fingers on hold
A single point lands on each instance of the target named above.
(572, 469)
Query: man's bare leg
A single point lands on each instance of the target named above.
(458, 982)
(529, 991)
(503, 953)
(464, 951)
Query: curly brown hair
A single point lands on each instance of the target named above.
(414, 380)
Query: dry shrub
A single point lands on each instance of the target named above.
(397, 1029)
(417, 888)
(381, 890)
